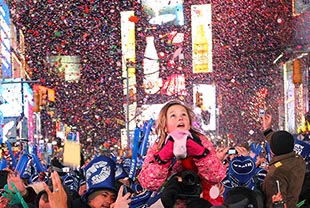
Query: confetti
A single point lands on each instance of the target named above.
(247, 37)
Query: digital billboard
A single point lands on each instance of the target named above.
(5, 34)
(162, 12)
(67, 67)
(15, 97)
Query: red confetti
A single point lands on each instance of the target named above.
(134, 19)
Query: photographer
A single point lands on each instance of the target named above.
(186, 185)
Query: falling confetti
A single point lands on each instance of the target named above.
(247, 37)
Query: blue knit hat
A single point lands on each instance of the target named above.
(99, 175)
(71, 182)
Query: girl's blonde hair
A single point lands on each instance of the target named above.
(161, 122)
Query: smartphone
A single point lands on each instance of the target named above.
(232, 151)
(261, 112)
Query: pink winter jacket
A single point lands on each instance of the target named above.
(153, 175)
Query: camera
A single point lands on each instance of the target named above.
(262, 112)
(190, 185)
(232, 151)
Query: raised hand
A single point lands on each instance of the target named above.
(195, 148)
(14, 176)
(165, 155)
(122, 201)
(57, 198)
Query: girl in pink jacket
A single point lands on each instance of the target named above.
(178, 141)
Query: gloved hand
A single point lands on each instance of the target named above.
(195, 148)
(180, 137)
(170, 192)
(165, 155)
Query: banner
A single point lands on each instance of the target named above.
(134, 156)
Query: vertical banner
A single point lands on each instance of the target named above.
(31, 124)
(128, 41)
(201, 38)
(147, 131)
(289, 98)
(1, 127)
(135, 149)
(5, 40)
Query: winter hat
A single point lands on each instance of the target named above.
(126, 165)
(241, 170)
(120, 172)
(240, 197)
(281, 142)
(71, 182)
(99, 175)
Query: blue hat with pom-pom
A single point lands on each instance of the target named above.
(99, 175)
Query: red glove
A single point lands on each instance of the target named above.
(165, 155)
(196, 149)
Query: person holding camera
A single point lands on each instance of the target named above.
(180, 147)
(286, 170)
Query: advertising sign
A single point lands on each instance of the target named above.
(206, 109)
(128, 67)
(201, 38)
(300, 6)
(5, 39)
(67, 67)
(289, 98)
(14, 96)
(1, 127)
(164, 12)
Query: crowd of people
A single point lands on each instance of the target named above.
(181, 169)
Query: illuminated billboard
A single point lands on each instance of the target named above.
(5, 34)
(14, 102)
(67, 67)
(201, 38)
(162, 12)
(205, 102)
(289, 98)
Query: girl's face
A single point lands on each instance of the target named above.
(177, 119)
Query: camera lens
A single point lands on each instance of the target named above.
(188, 178)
